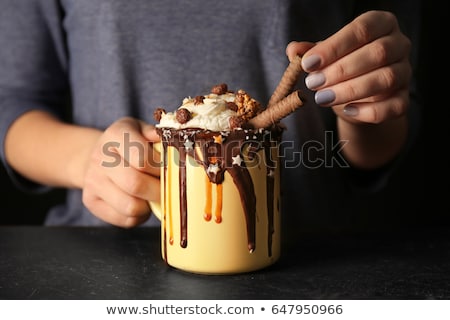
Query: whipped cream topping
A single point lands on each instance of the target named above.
(213, 114)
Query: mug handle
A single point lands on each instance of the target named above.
(155, 206)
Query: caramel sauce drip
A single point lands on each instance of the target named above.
(208, 202)
(218, 212)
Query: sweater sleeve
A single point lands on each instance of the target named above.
(33, 64)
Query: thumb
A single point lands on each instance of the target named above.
(297, 48)
(149, 132)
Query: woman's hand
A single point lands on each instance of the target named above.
(363, 73)
(122, 174)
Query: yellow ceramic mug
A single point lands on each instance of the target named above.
(220, 200)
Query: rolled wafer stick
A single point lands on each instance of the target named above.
(276, 112)
(287, 82)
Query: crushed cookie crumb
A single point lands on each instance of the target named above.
(247, 106)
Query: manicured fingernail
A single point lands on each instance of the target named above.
(325, 96)
(311, 63)
(315, 80)
(351, 110)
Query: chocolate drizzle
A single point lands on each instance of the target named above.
(270, 183)
(183, 197)
(222, 152)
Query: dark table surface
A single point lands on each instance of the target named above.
(114, 263)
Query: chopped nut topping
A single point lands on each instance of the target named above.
(247, 106)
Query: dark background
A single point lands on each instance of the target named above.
(19, 207)
(404, 198)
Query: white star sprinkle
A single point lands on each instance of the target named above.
(214, 168)
(188, 144)
(237, 160)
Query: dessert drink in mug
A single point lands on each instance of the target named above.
(220, 179)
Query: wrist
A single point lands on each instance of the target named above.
(84, 141)
(370, 146)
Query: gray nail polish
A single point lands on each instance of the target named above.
(325, 96)
(351, 110)
(315, 80)
(311, 63)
